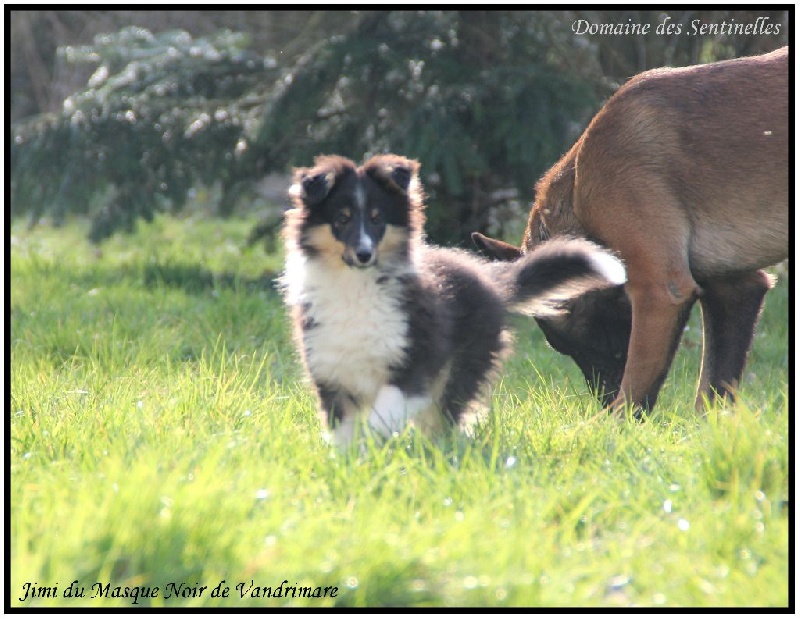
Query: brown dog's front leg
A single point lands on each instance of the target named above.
(657, 326)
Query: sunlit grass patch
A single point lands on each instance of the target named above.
(162, 432)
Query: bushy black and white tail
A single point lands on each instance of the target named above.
(540, 282)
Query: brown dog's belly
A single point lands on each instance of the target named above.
(720, 248)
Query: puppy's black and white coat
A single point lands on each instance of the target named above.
(392, 330)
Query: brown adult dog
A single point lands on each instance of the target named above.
(684, 173)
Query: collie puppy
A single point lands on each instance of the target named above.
(393, 331)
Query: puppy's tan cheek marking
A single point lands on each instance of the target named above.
(394, 240)
(321, 238)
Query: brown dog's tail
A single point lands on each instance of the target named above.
(542, 281)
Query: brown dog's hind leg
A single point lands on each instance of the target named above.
(731, 308)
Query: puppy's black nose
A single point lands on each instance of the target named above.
(363, 256)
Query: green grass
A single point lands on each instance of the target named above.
(162, 432)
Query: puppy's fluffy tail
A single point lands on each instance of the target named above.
(542, 281)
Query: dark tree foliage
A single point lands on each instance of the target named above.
(485, 100)
(471, 95)
(160, 115)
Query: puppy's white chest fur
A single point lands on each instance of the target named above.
(357, 328)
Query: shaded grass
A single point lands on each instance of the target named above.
(161, 432)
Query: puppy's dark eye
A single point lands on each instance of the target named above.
(343, 218)
(376, 218)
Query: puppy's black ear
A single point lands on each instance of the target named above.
(401, 176)
(392, 171)
(315, 188)
(312, 185)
